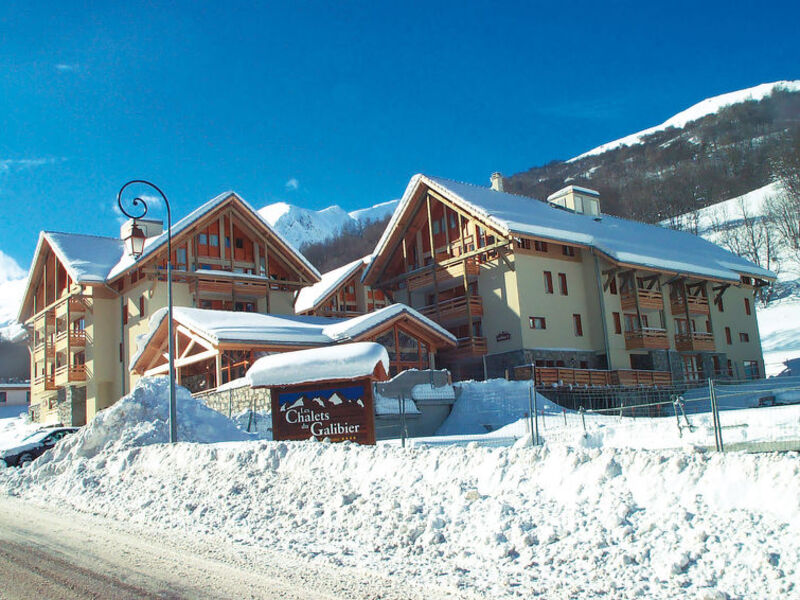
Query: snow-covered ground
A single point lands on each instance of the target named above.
(559, 521)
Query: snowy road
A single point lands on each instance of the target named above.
(57, 553)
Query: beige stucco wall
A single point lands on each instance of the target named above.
(735, 317)
(497, 287)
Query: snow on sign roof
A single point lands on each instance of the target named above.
(312, 296)
(343, 361)
(622, 240)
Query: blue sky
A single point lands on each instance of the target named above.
(323, 103)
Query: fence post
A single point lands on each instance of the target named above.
(715, 416)
(583, 419)
(534, 419)
(403, 420)
(677, 419)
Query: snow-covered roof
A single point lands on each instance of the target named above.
(124, 262)
(348, 329)
(344, 361)
(87, 258)
(622, 240)
(312, 296)
(222, 326)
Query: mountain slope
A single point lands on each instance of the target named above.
(302, 226)
(717, 149)
(12, 286)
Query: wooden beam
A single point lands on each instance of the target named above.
(433, 260)
(501, 252)
(182, 362)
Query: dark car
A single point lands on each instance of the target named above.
(33, 446)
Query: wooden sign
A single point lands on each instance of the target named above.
(338, 412)
(503, 336)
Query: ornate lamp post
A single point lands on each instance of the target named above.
(134, 245)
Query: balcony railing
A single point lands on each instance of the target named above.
(466, 347)
(701, 342)
(454, 309)
(596, 377)
(76, 337)
(648, 299)
(649, 338)
(698, 305)
(68, 374)
(44, 382)
(444, 275)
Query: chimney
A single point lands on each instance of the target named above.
(497, 181)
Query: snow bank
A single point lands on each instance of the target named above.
(493, 523)
(140, 419)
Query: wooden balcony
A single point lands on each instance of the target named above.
(595, 377)
(43, 350)
(76, 338)
(699, 342)
(43, 383)
(454, 309)
(647, 338)
(48, 319)
(73, 374)
(444, 275)
(648, 299)
(467, 347)
(698, 305)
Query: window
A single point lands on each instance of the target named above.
(576, 320)
(121, 354)
(141, 305)
(744, 337)
(124, 314)
(728, 335)
(612, 287)
(239, 243)
(227, 242)
(2, 397)
(617, 323)
(562, 284)
(751, 370)
(540, 246)
(213, 240)
(747, 306)
(453, 222)
(537, 322)
(548, 282)
(568, 250)
(730, 368)
(436, 227)
(584, 364)
(180, 255)
(202, 239)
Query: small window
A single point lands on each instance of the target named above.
(617, 323)
(584, 364)
(239, 243)
(548, 282)
(202, 239)
(728, 337)
(141, 305)
(436, 227)
(125, 314)
(213, 240)
(612, 287)
(744, 337)
(562, 284)
(540, 246)
(576, 320)
(537, 322)
(747, 306)
(2, 397)
(453, 221)
(227, 242)
(180, 254)
(568, 250)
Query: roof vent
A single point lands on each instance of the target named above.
(577, 199)
(497, 181)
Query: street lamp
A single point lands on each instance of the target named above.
(134, 245)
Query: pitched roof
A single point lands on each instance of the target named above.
(622, 240)
(311, 297)
(152, 244)
(221, 326)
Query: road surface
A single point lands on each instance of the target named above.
(57, 553)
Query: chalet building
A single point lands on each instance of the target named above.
(586, 297)
(341, 293)
(86, 301)
(215, 347)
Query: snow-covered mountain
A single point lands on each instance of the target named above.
(12, 285)
(301, 226)
(701, 109)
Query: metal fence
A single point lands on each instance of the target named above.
(751, 415)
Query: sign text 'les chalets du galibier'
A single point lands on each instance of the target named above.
(338, 413)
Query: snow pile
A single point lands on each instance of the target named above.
(490, 405)
(485, 522)
(142, 418)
